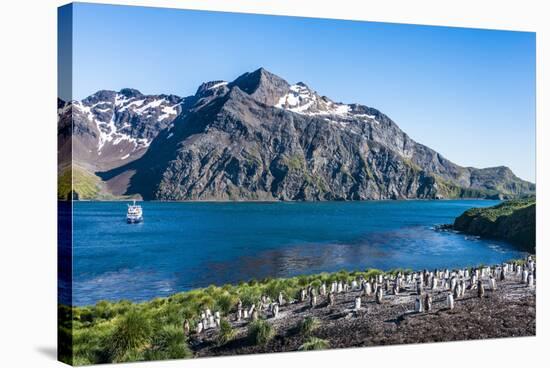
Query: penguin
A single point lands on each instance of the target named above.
(331, 298)
(418, 306)
(480, 289)
(428, 302)
(186, 327)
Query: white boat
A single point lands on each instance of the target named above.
(134, 214)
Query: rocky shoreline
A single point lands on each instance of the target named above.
(513, 221)
(490, 302)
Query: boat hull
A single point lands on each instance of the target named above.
(134, 220)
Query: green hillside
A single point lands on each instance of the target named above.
(85, 184)
(513, 221)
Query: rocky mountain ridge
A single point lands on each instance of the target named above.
(261, 138)
(111, 128)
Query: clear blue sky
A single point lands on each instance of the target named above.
(469, 94)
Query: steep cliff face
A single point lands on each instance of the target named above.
(260, 138)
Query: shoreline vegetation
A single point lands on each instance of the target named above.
(308, 312)
(513, 221)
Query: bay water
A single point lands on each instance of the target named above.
(186, 245)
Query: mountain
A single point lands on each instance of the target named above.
(261, 138)
(109, 129)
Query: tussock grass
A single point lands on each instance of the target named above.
(226, 333)
(168, 343)
(314, 343)
(308, 326)
(130, 336)
(260, 332)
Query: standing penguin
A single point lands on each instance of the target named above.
(419, 288)
(433, 286)
(331, 298)
(428, 302)
(303, 295)
(275, 310)
(492, 283)
(357, 304)
(379, 295)
(239, 310)
(396, 288)
(323, 289)
(473, 282)
(450, 301)
(368, 288)
(313, 300)
(480, 289)
(530, 280)
(524, 276)
(418, 305)
(453, 283)
(456, 291)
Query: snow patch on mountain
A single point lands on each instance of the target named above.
(218, 85)
(106, 115)
(108, 131)
(123, 105)
(150, 105)
(121, 100)
(168, 111)
(302, 100)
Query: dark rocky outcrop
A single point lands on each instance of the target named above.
(513, 221)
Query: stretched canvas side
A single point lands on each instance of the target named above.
(64, 184)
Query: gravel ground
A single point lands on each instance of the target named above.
(509, 311)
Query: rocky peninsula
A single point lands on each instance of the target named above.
(513, 221)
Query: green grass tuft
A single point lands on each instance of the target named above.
(226, 333)
(169, 343)
(308, 326)
(314, 343)
(131, 335)
(260, 332)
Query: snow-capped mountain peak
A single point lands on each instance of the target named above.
(127, 115)
(119, 126)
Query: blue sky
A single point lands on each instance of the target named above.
(469, 94)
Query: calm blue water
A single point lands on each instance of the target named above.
(182, 246)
